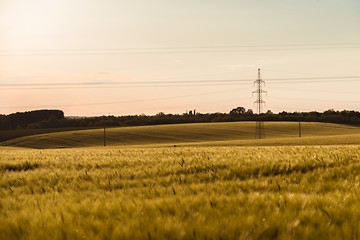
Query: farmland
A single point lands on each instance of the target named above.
(236, 133)
(214, 189)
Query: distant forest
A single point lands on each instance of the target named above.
(41, 119)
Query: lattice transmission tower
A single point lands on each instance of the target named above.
(260, 128)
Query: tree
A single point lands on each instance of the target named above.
(238, 111)
(249, 112)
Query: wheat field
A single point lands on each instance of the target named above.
(197, 192)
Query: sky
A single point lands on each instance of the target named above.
(117, 57)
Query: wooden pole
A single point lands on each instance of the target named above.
(299, 129)
(104, 136)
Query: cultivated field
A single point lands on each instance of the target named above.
(222, 192)
(6, 135)
(236, 133)
(189, 181)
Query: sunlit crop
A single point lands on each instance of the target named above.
(181, 193)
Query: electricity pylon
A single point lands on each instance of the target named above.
(260, 129)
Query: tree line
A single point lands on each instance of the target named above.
(55, 118)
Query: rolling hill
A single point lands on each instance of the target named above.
(234, 133)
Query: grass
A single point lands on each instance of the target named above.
(238, 133)
(207, 192)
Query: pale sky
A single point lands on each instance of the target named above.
(179, 55)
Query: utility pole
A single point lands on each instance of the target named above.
(104, 136)
(260, 129)
(299, 129)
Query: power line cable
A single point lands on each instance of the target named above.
(182, 47)
(184, 50)
(316, 91)
(128, 101)
(316, 100)
(125, 86)
(185, 82)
